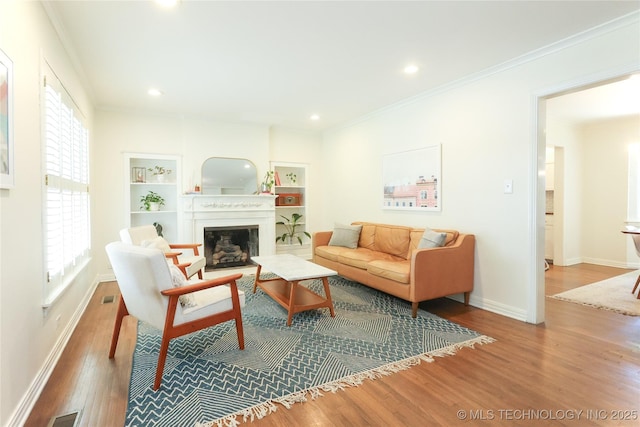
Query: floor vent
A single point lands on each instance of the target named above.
(108, 299)
(67, 420)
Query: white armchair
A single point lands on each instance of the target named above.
(146, 235)
(150, 293)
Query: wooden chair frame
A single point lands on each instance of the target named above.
(173, 331)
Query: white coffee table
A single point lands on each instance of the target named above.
(285, 289)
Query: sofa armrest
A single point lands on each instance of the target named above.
(320, 238)
(443, 271)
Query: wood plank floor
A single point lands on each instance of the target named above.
(580, 359)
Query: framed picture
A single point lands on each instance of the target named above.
(138, 175)
(412, 180)
(7, 174)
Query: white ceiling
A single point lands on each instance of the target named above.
(276, 63)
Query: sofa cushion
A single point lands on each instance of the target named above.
(345, 235)
(399, 271)
(391, 239)
(417, 233)
(330, 252)
(432, 239)
(361, 257)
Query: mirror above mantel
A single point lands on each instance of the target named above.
(230, 176)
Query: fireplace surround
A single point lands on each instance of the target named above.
(226, 212)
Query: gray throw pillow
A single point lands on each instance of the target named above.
(431, 239)
(345, 235)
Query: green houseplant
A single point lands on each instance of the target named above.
(268, 182)
(291, 224)
(151, 201)
(159, 172)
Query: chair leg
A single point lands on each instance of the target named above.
(162, 357)
(122, 311)
(414, 309)
(636, 287)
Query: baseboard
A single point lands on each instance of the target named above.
(606, 262)
(29, 399)
(492, 306)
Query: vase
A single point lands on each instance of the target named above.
(265, 188)
(160, 177)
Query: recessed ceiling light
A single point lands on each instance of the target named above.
(315, 117)
(155, 92)
(166, 3)
(411, 69)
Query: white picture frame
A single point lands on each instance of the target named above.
(7, 172)
(412, 180)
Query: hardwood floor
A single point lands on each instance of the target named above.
(580, 359)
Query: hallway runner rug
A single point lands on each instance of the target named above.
(208, 381)
(612, 294)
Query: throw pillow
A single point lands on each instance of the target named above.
(345, 235)
(178, 279)
(431, 239)
(157, 243)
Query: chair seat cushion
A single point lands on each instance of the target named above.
(208, 302)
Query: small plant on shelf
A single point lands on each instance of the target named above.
(292, 177)
(151, 201)
(291, 225)
(267, 183)
(159, 170)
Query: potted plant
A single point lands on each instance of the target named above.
(159, 172)
(291, 224)
(267, 183)
(151, 201)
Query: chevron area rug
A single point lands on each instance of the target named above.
(208, 381)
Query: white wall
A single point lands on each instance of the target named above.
(194, 139)
(605, 189)
(487, 128)
(29, 336)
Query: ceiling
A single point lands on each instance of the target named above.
(276, 63)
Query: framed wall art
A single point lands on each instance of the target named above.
(7, 174)
(412, 180)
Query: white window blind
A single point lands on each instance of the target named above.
(66, 168)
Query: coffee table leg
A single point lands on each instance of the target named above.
(257, 279)
(327, 294)
(292, 301)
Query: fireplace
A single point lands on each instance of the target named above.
(230, 246)
(204, 216)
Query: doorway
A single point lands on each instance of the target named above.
(561, 116)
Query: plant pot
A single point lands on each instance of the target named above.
(160, 177)
(153, 206)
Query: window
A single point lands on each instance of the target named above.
(66, 198)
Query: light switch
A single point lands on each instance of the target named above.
(508, 186)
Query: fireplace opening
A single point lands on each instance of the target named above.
(226, 247)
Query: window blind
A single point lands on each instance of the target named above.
(66, 212)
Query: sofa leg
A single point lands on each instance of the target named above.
(414, 309)
(466, 298)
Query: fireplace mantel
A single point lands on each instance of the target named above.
(200, 211)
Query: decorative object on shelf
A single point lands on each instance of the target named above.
(138, 174)
(151, 201)
(291, 224)
(292, 177)
(289, 199)
(159, 172)
(158, 227)
(267, 183)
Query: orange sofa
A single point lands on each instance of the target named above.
(387, 258)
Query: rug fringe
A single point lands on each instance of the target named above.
(260, 411)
